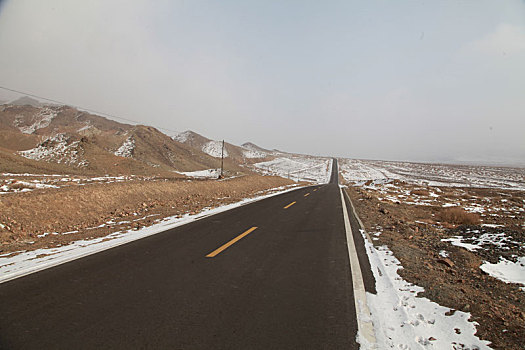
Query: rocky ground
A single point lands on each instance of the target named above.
(46, 211)
(442, 236)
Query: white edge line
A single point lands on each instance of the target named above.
(60, 261)
(365, 326)
(361, 225)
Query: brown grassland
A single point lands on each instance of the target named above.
(116, 206)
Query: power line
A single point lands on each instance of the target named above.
(82, 108)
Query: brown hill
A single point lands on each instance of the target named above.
(26, 100)
(76, 141)
(232, 153)
(256, 151)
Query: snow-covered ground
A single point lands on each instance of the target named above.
(26, 262)
(509, 268)
(507, 271)
(404, 321)
(360, 171)
(202, 174)
(298, 168)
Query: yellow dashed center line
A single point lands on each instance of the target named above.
(306, 195)
(315, 189)
(233, 241)
(289, 205)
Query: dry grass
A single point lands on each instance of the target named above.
(459, 216)
(81, 207)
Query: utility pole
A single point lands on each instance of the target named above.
(222, 160)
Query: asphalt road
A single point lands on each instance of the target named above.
(216, 283)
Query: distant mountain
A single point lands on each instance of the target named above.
(238, 154)
(26, 101)
(191, 139)
(64, 139)
(255, 151)
(87, 143)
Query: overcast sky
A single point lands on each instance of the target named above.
(400, 80)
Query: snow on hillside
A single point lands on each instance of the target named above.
(127, 148)
(182, 137)
(354, 170)
(297, 168)
(41, 120)
(59, 149)
(87, 126)
(249, 151)
(214, 149)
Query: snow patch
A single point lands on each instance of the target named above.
(444, 254)
(458, 242)
(492, 225)
(29, 182)
(404, 321)
(85, 127)
(253, 154)
(202, 174)
(127, 148)
(10, 186)
(40, 120)
(57, 148)
(250, 151)
(182, 137)
(483, 241)
(507, 271)
(214, 149)
(509, 268)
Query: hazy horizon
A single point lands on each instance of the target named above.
(409, 81)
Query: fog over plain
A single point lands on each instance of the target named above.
(396, 80)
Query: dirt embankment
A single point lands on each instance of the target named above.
(28, 220)
(414, 222)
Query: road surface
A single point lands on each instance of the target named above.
(274, 274)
